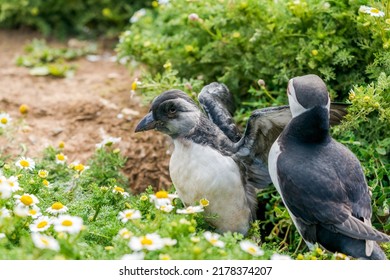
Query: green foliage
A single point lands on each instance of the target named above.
(63, 18)
(97, 194)
(366, 131)
(44, 60)
(239, 42)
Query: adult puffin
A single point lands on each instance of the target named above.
(321, 182)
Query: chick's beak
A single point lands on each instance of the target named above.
(147, 123)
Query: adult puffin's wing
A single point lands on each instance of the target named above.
(217, 101)
(337, 112)
(334, 197)
(262, 129)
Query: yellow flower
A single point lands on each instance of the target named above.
(204, 202)
(236, 34)
(314, 52)
(300, 257)
(352, 95)
(155, 4)
(167, 65)
(134, 85)
(189, 48)
(23, 109)
(106, 12)
(164, 257)
(61, 158)
(43, 173)
(61, 144)
(366, 98)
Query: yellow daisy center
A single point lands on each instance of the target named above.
(134, 85)
(119, 189)
(32, 211)
(129, 215)
(4, 120)
(374, 11)
(61, 145)
(204, 202)
(57, 206)
(146, 241)
(45, 241)
(11, 184)
(67, 223)
(24, 163)
(213, 241)
(79, 167)
(26, 200)
(42, 224)
(162, 194)
(61, 157)
(251, 250)
(45, 182)
(42, 173)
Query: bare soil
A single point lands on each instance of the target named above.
(77, 110)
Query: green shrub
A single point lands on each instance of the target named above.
(63, 18)
(239, 42)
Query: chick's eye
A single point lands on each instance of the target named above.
(172, 110)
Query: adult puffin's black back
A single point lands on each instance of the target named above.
(211, 158)
(321, 182)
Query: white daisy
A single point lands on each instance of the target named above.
(213, 238)
(21, 211)
(121, 191)
(40, 224)
(5, 190)
(165, 208)
(371, 11)
(190, 210)
(45, 242)
(67, 223)
(26, 200)
(137, 15)
(125, 233)
(61, 158)
(2, 235)
(25, 163)
(13, 183)
(34, 212)
(151, 242)
(43, 173)
(129, 214)
(108, 141)
(162, 198)
(5, 120)
(4, 213)
(57, 208)
(251, 248)
(169, 241)
(79, 167)
(134, 256)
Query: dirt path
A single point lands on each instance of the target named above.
(76, 110)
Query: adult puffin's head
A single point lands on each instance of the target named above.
(173, 112)
(305, 93)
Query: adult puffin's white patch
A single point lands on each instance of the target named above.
(273, 156)
(295, 107)
(199, 171)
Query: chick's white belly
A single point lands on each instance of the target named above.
(201, 172)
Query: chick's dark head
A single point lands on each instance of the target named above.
(173, 113)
